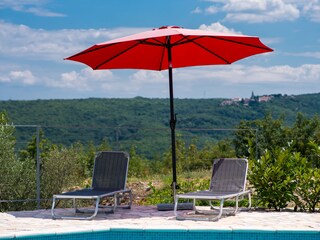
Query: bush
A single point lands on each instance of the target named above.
(164, 194)
(61, 171)
(307, 192)
(17, 176)
(272, 177)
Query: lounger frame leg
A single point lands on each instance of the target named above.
(180, 217)
(55, 216)
(117, 201)
(52, 208)
(121, 195)
(220, 209)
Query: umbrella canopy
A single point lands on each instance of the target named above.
(166, 48)
(150, 50)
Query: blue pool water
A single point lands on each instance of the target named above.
(128, 234)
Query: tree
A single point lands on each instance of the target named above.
(61, 170)
(138, 166)
(303, 132)
(18, 177)
(267, 133)
(7, 142)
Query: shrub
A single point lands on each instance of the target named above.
(272, 177)
(61, 170)
(164, 194)
(17, 176)
(307, 193)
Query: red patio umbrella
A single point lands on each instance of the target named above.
(170, 47)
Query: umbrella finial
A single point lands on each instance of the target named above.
(165, 27)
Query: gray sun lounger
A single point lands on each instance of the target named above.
(228, 181)
(108, 181)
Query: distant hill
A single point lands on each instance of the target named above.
(143, 121)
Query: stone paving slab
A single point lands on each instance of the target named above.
(149, 218)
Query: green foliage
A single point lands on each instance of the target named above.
(138, 166)
(273, 177)
(164, 194)
(192, 158)
(143, 122)
(305, 134)
(307, 193)
(17, 177)
(7, 140)
(283, 161)
(221, 149)
(31, 149)
(157, 196)
(61, 170)
(261, 134)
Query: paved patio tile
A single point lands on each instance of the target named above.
(148, 218)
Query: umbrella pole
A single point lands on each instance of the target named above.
(173, 121)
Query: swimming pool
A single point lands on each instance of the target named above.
(154, 234)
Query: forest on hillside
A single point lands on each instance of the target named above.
(143, 123)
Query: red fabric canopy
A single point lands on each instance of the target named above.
(149, 50)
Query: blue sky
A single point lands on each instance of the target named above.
(35, 36)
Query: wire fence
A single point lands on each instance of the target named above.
(24, 185)
(29, 140)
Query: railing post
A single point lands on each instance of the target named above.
(38, 173)
(257, 144)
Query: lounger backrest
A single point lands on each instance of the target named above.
(229, 175)
(110, 170)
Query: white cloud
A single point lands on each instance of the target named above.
(25, 77)
(138, 83)
(306, 73)
(218, 27)
(213, 81)
(247, 5)
(84, 80)
(36, 7)
(212, 10)
(39, 44)
(144, 76)
(241, 74)
(312, 10)
(197, 10)
(144, 83)
(256, 11)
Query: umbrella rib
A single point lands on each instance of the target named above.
(181, 41)
(208, 50)
(92, 50)
(144, 41)
(156, 43)
(186, 39)
(162, 57)
(241, 43)
(219, 38)
(115, 56)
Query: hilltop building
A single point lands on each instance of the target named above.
(246, 101)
